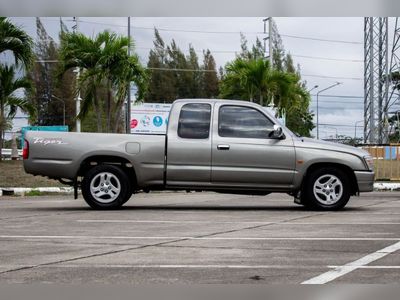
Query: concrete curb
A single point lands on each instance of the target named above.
(387, 186)
(19, 191)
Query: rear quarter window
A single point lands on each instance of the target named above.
(194, 121)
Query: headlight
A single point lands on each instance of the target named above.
(369, 161)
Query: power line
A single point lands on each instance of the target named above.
(341, 125)
(339, 96)
(227, 32)
(341, 108)
(321, 39)
(339, 102)
(329, 58)
(293, 55)
(332, 77)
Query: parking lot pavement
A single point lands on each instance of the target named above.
(200, 238)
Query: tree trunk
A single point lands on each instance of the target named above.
(108, 107)
(98, 112)
(1, 143)
(261, 99)
(117, 115)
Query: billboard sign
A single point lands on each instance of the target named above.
(149, 118)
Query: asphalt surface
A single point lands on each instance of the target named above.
(199, 238)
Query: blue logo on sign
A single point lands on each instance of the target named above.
(157, 121)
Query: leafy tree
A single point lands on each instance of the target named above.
(49, 89)
(250, 77)
(175, 75)
(10, 100)
(394, 123)
(16, 40)
(161, 82)
(348, 140)
(210, 77)
(254, 80)
(105, 65)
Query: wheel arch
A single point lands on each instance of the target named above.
(344, 168)
(94, 160)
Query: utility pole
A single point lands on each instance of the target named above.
(128, 102)
(270, 41)
(376, 79)
(78, 96)
(271, 61)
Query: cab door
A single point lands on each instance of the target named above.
(189, 146)
(243, 153)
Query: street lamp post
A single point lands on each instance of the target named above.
(319, 92)
(63, 101)
(313, 88)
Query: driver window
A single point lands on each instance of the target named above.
(243, 122)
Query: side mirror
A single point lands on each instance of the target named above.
(277, 133)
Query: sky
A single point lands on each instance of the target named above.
(328, 50)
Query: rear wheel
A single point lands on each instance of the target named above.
(326, 189)
(106, 187)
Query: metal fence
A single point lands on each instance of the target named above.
(387, 161)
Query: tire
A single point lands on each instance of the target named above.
(326, 189)
(106, 187)
(128, 196)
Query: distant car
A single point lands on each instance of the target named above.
(216, 145)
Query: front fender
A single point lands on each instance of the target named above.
(306, 157)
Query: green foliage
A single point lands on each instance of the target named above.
(16, 40)
(13, 39)
(394, 128)
(250, 77)
(106, 71)
(348, 140)
(173, 75)
(50, 91)
(33, 193)
(9, 100)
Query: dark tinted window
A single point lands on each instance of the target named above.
(243, 122)
(194, 121)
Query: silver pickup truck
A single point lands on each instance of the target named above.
(216, 145)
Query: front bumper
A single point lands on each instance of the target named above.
(365, 180)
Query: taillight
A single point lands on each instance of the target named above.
(25, 151)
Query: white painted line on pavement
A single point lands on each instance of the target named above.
(196, 238)
(173, 222)
(233, 222)
(180, 266)
(351, 266)
(370, 267)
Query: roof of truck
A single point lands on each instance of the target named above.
(213, 100)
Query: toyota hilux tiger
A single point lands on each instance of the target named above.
(215, 145)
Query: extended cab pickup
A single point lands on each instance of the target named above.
(217, 145)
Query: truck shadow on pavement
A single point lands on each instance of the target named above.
(192, 208)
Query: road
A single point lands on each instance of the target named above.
(199, 238)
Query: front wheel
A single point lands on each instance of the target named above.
(326, 189)
(105, 187)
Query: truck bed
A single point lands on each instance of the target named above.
(61, 154)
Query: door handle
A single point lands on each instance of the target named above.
(223, 147)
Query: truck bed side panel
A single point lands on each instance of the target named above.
(60, 154)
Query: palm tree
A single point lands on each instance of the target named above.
(253, 78)
(105, 64)
(14, 39)
(9, 99)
